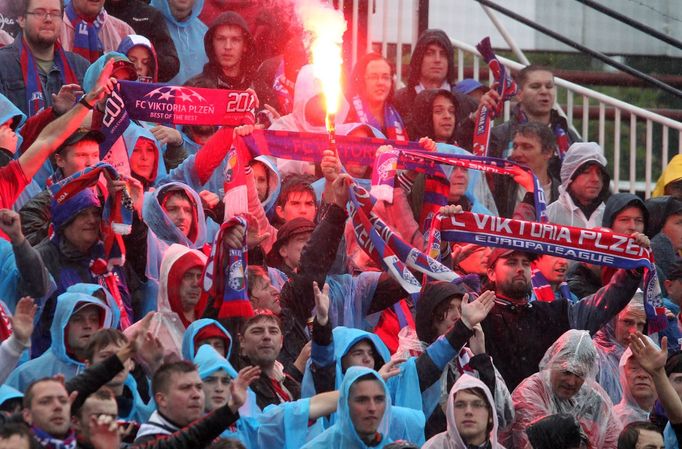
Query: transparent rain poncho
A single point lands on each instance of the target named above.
(609, 352)
(534, 398)
(628, 410)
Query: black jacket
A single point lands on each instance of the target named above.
(149, 22)
(517, 336)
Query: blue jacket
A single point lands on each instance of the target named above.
(673, 331)
(56, 359)
(342, 434)
(188, 37)
(12, 80)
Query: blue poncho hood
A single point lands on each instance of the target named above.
(189, 351)
(66, 304)
(8, 111)
(343, 434)
(132, 135)
(7, 393)
(136, 40)
(93, 72)
(208, 361)
(92, 289)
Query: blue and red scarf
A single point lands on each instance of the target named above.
(543, 289)
(284, 90)
(584, 245)
(35, 97)
(560, 134)
(117, 219)
(393, 124)
(47, 441)
(225, 276)
(506, 87)
(86, 41)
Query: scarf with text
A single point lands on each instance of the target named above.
(583, 245)
(393, 124)
(308, 147)
(117, 217)
(225, 277)
(86, 41)
(175, 105)
(35, 97)
(284, 90)
(506, 87)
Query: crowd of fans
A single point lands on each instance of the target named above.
(524, 350)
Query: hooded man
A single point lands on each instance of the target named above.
(76, 318)
(180, 283)
(173, 214)
(230, 50)
(82, 36)
(432, 66)
(639, 391)
(624, 213)
(672, 302)
(70, 254)
(561, 431)
(36, 51)
(611, 342)
(584, 187)
(364, 414)
(472, 421)
(566, 384)
(206, 331)
(148, 21)
(669, 183)
(307, 115)
(665, 229)
(187, 32)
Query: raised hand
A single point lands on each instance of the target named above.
(391, 368)
(239, 386)
(321, 303)
(648, 356)
(450, 209)
(477, 341)
(104, 85)
(244, 130)
(10, 224)
(22, 321)
(475, 311)
(104, 433)
(167, 135)
(641, 239)
(253, 234)
(67, 96)
(428, 144)
(341, 189)
(330, 165)
(233, 238)
(303, 357)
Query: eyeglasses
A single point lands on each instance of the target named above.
(374, 77)
(476, 405)
(44, 15)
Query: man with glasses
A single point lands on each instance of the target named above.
(34, 67)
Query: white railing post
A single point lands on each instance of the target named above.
(616, 149)
(633, 152)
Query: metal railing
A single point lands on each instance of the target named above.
(633, 136)
(632, 127)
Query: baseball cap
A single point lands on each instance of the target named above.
(468, 85)
(504, 252)
(82, 134)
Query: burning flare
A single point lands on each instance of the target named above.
(326, 27)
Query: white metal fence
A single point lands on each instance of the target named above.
(638, 143)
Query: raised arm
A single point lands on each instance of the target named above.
(60, 129)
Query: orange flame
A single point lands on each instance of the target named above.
(326, 27)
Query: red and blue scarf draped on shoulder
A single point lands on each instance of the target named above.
(86, 41)
(35, 97)
(393, 123)
(117, 218)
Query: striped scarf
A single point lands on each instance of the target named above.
(35, 97)
(86, 41)
(393, 124)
